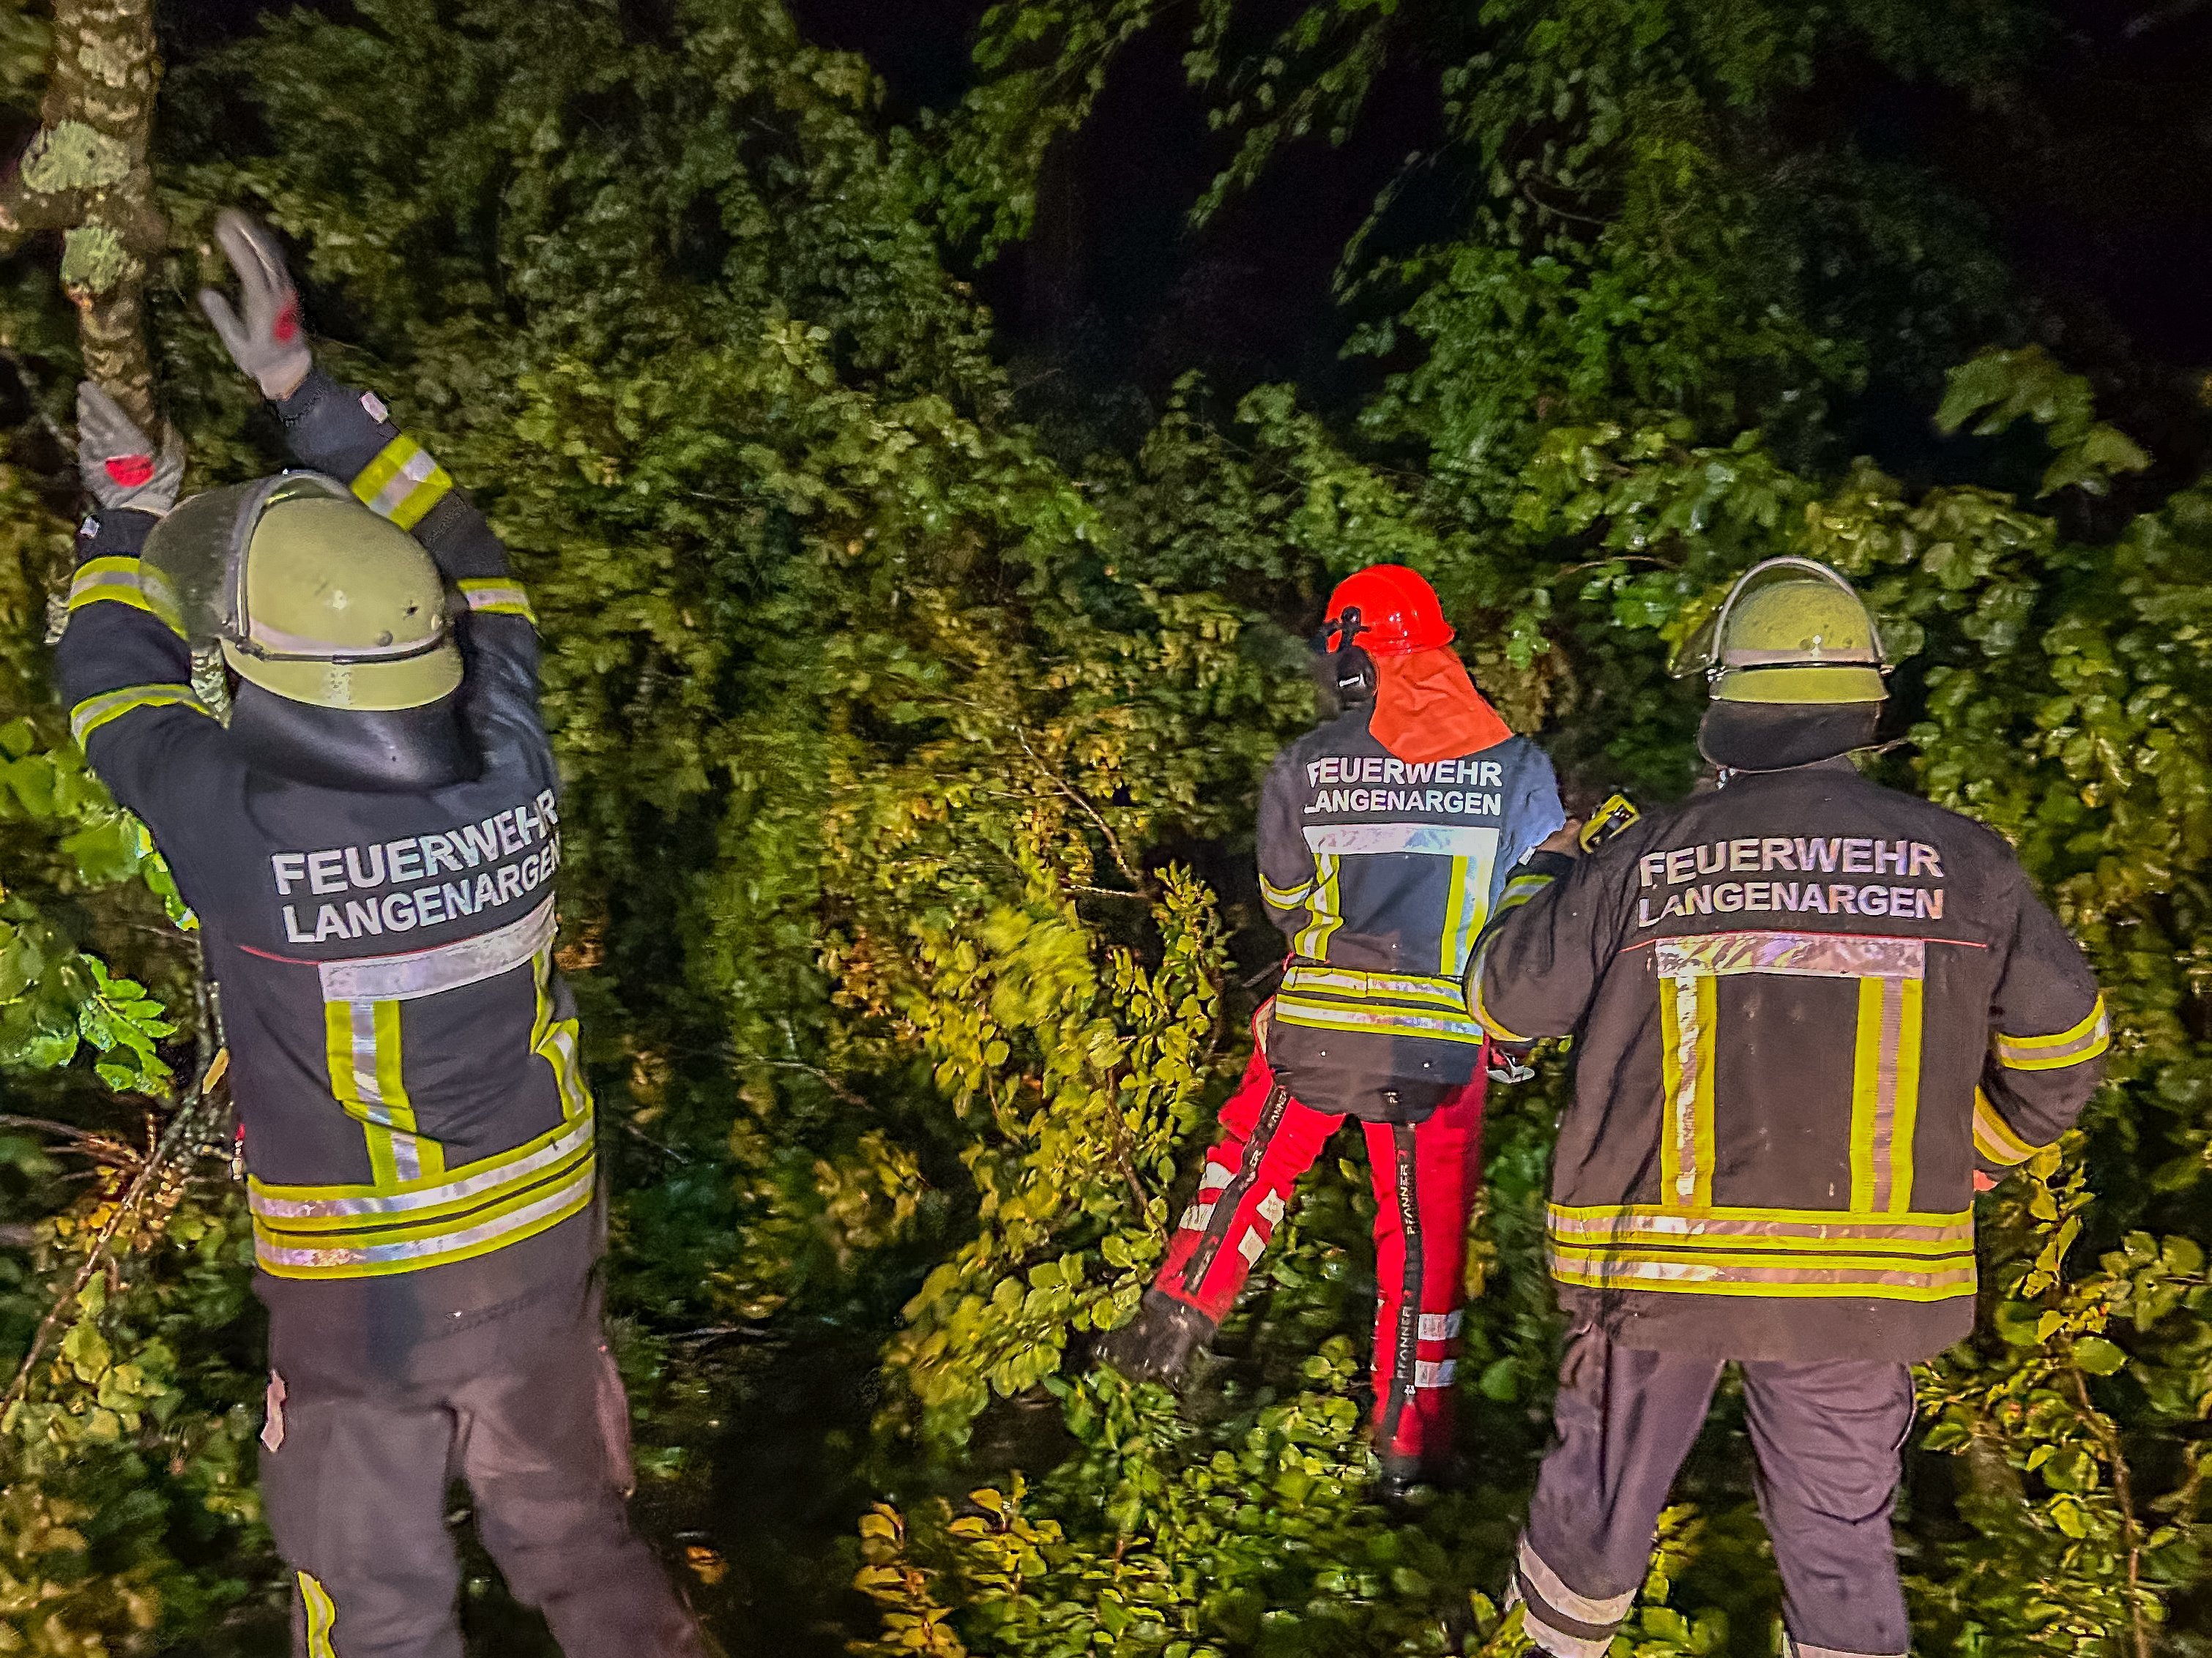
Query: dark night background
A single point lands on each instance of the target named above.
(2094, 175)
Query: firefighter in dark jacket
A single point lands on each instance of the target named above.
(1812, 1017)
(370, 845)
(1385, 837)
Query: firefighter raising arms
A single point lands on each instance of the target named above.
(370, 844)
(1811, 1016)
(1386, 835)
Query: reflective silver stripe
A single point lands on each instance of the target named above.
(90, 715)
(1807, 955)
(115, 579)
(1439, 1326)
(1439, 840)
(277, 638)
(1271, 1208)
(2086, 1041)
(1194, 1217)
(1374, 987)
(575, 1192)
(406, 1150)
(1383, 1019)
(445, 967)
(1793, 1648)
(1438, 1374)
(1994, 1137)
(498, 597)
(1558, 1644)
(402, 482)
(1580, 1267)
(1216, 1176)
(1724, 1228)
(1251, 1244)
(1682, 1109)
(1582, 1608)
(489, 1175)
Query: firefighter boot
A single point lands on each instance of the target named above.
(1157, 1345)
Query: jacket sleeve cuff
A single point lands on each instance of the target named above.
(118, 534)
(333, 428)
(1551, 866)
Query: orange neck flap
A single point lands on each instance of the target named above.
(1426, 708)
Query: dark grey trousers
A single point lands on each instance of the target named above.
(1826, 1437)
(528, 1410)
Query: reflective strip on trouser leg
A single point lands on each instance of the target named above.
(1248, 1216)
(1795, 1649)
(1396, 1381)
(1232, 1196)
(1561, 1620)
(1625, 1417)
(1447, 1147)
(320, 1614)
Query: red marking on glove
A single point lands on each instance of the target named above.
(286, 327)
(131, 471)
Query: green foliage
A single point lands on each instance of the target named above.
(910, 769)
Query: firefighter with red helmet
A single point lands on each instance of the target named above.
(1387, 837)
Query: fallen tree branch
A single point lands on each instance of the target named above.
(176, 1136)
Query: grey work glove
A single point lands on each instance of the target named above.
(118, 461)
(268, 343)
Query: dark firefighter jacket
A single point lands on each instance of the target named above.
(1807, 1008)
(418, 1132)
(1382, 872)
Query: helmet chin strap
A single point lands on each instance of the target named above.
(398, 751)
(1355, 674)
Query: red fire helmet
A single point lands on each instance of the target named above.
(1397, 610)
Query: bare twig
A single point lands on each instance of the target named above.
(176, 1136)
(2108, 1440)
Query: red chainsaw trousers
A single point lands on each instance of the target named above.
(1426, 1176)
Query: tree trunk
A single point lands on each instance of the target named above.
(87, 174)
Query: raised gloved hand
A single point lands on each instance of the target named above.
(118, 460)
(267, 343)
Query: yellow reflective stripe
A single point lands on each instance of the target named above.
(94, 711)
(322, 1616)
(2075, 1046)
(381, 1254)
(1866, 1082)
(361, 1047)
(114, 580)
(1687, 1009)
(1519, 891)
(1789, 1253)
(1837, 1222)
(1323, 915)
(308, 1208)
(353, 1233)
(1774, 1261)
(1283, 898)
(555, 1041)
(1476, 1005)
(1995, 1139)
(497, 596)
(1467, 907)
(1381, 1020)
(1449, 957)
(1762, 1276)
(1818, 1233)
(1358, 984)
(402, 482)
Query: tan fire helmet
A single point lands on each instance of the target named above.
(310, 595)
